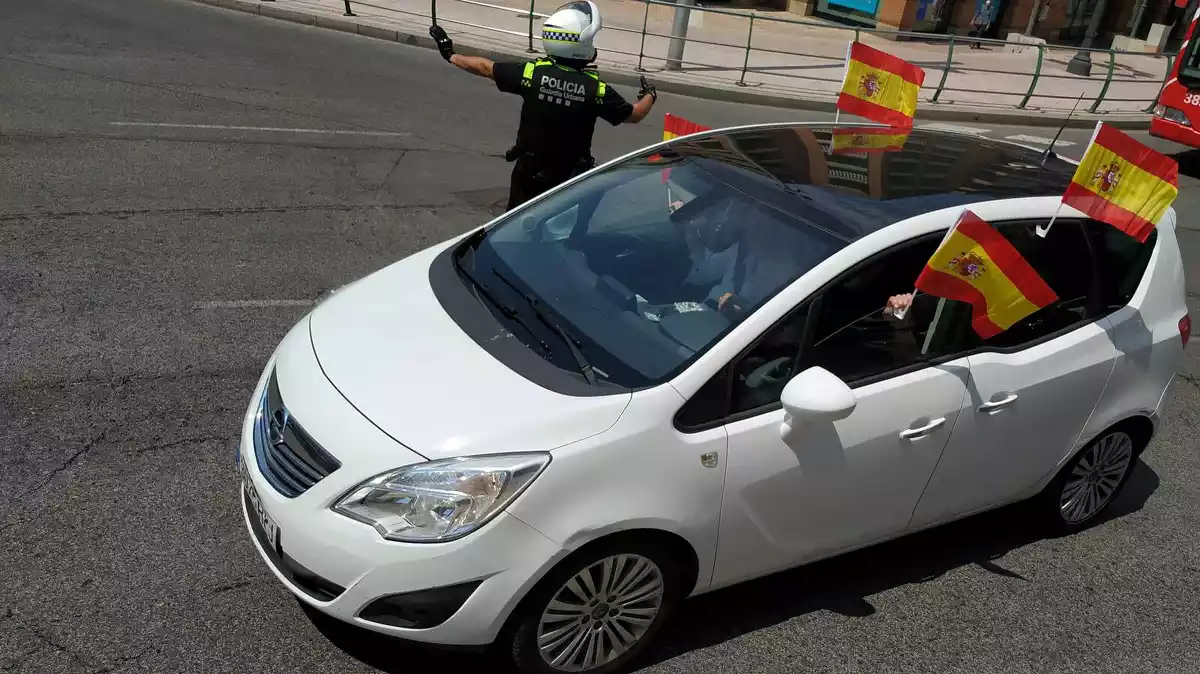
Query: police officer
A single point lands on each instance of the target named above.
(562, 97)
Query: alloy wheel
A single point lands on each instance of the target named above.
(1096, 477)
(600, 613)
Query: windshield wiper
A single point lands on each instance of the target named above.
(508, 311)
(572, 344)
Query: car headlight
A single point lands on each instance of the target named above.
(440, 500)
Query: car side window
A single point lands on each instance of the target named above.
(708, 405)
(1064, 262)
(855, 339)
(753, 380)
(1092, 267)
(842, 328)
(1121, 262)
(760, 375)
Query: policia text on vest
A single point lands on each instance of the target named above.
(562, 98)
(558, 117)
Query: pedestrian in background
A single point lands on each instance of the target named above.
(982, 21)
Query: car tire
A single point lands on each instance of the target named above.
(1091, 481)
(644, 584)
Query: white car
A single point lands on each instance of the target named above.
(676, 373)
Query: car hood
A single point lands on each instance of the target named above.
(391, 350)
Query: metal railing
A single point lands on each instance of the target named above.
(754, 23)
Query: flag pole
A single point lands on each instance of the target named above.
(670, 197)
(937, 316)
(901, 313)
(1043, 231)
(845, 73)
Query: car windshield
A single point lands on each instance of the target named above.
(648, 263)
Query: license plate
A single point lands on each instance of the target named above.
(258, 511)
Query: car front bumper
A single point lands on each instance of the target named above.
(454, 593)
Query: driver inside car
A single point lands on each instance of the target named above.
(708, 267)
(716, 238)
(760, 254)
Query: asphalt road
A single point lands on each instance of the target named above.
(147, 269)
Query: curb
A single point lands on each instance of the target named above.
(929, 111)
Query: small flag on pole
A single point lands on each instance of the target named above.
(674, 127)
(976, 265)
(880, 87)
(868, 139)
(1122, 182)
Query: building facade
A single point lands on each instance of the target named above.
(1062, 22)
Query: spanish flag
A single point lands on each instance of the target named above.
(868, 139)
(976, 265)
(879, 86)
(674, 127)
(1122, 182)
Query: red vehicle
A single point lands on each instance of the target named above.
(1177, 115)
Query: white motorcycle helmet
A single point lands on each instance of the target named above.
(569, 33)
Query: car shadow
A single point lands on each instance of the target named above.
(842, 585)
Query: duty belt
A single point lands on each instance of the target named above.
(514, 153)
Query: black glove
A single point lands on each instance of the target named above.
(444, 44)
(648, 90)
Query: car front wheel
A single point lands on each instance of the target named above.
(596, 612)
(1091, 481)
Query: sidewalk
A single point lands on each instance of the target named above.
(982, 85)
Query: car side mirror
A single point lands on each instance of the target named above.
(815, 395)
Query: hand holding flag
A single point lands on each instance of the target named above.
(976, 265)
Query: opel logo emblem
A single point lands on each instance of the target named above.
(278, 423)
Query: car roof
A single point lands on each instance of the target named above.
(860, 192)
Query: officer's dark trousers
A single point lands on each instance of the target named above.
(531, 177)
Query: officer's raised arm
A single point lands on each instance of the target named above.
(647, 97)
(476, 65)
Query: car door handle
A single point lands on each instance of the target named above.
(915, 433)
(997, 404)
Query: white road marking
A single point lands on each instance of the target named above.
(277, 129)
(250, 304)
(1038, 140)
(939, 126)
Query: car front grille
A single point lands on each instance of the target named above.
(290, 460)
